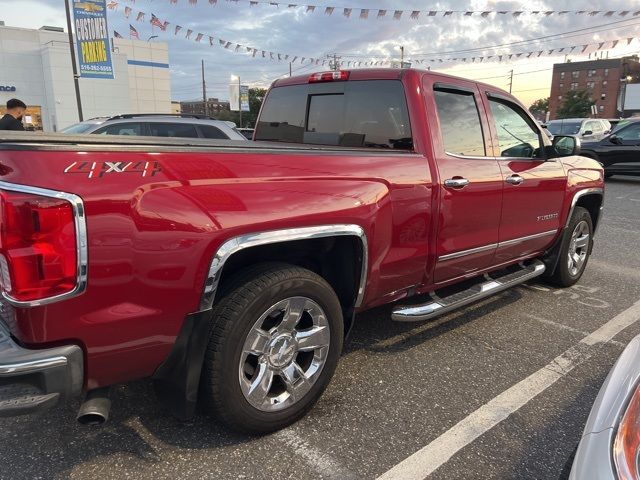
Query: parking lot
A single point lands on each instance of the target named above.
(500, 389)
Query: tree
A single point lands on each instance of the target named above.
(539, 108)
(575, 104)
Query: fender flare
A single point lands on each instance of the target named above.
(177, 379)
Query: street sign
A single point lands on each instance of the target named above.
(239, 97)
(92, 38)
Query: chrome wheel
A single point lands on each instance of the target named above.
(284, 353)
(578, 248)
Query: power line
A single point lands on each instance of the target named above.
(520, 42)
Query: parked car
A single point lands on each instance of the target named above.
(158, 125)
(619, 152)
(231, 272)
(610, 443)
(587, 129)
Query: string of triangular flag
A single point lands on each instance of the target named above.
(256, 52)
(375, 13)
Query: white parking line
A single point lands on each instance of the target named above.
(562, 326)
(324, 465)
(426, 460)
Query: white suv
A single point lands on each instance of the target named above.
(159, 125)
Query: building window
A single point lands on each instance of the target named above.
(574, 86)
(606, 72)
(575, 75)
(601, 108)
(562, 85)
(590, 85)
(604, 84)
(560, 97)
(561, 75)
(591, 73)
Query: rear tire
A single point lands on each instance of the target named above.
(575, 250)
(275, 343)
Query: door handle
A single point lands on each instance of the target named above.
(456, 182)
(514, 180)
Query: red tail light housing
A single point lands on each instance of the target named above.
(42, 245)
(329, 76)
(626, 446)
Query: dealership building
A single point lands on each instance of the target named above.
(35, 66)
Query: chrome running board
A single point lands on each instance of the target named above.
(441, 305)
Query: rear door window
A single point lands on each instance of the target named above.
(130, 128)
(370, 113)
(173, 130)
(460, 123)
(209, 131)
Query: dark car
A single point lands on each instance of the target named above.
(619, 152)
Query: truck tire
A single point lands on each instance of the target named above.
(575, 249)
(276, 338)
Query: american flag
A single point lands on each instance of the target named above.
(155, 21)
(133, 32)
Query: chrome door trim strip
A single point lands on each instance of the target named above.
(234, 245)
(515, 241)
(484, 248)
(80, 223)
(463, 253)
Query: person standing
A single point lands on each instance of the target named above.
(12, 120)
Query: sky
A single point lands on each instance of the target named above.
(298, 33)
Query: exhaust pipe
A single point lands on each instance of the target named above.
(95, 408)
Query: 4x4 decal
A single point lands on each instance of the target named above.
(99, 169)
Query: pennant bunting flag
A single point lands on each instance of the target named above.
(379, 13)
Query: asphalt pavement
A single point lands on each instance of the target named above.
(499, 390)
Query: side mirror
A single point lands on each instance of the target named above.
(615, 139)
(588, 132)
(565, 145)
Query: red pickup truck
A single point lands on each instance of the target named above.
(231, 272)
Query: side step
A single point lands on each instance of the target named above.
(441, 305)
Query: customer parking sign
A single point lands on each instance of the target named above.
(92, 38)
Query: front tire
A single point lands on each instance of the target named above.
(577, 244)
(276, 339)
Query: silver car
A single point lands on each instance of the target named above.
(588, 129)
(158, 125)
(610, 444)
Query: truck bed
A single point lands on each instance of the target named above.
(10, 140)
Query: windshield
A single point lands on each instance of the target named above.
(620, 124)
(369, 113)
(82, 127)
(564, 128)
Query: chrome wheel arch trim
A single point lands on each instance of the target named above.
(82, 255)
(578, 195)
(241, 242)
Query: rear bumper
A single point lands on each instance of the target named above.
(34, 380)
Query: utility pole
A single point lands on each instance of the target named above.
(510, 80)
(334, 62)
(204, 93)
(72, 49)
(289, 69)
(240, 100)
(401, 55)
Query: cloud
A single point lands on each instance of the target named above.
(294, 32)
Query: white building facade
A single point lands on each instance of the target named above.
(35, 66)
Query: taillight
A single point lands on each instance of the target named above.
(627, 442)
(329, 76)
(38, 246)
